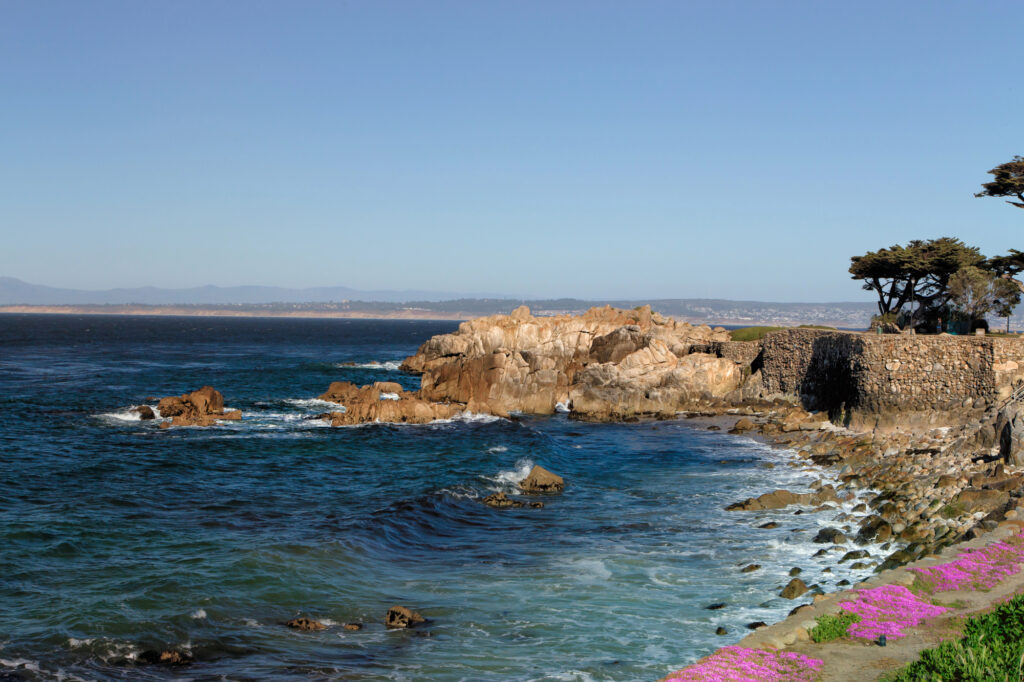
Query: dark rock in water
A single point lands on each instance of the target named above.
(769, 525)
(145, 412)
(716, 606)
(858, 565)
(795, 571)
(501, 501)
(842, 583)
(833, 535)
(401, 617)
(721, 631)
(821, 552)
(353, 626)
(306, 624)
(715, 427)
(167, 657)
(855, 554)
(794, 589)
(537, 505)
(751, 568)
(756, 624)
(540, 480)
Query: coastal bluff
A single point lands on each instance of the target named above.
(611, 364)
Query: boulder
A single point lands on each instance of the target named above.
(1010, 432)
(364, 405)
(975, 500)
(145, 412)
(199, 408)
(833, 535)
(306, 624)
(401, 617)
(793, 589)
(353, 626)
(540, 480)
(743, 425)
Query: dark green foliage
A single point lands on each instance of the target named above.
(1008, 182)
(992, 648)
(916, 274)
(832, 627)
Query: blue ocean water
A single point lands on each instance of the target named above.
(117, 537)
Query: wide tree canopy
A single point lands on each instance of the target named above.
(1008, 182)
(918, 272)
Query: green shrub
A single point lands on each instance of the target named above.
(832, 627)
(992, 648)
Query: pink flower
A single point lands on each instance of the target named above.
(975, 569)
(887, 610)
(739, 664)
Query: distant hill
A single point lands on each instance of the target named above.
(17, 292)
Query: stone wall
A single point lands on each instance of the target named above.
(870, 374)
(744, 353)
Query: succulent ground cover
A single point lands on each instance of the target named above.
(739, 664)
(992, 648)
(888, 610)
(976, 569)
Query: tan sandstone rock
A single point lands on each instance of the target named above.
(540, 480)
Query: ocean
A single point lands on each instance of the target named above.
(117, 537)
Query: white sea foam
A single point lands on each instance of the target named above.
(510, 478)
(199, 614)
(252, 623)
(389, 396)
(128, 414)
(313, 403)
(497, 448)
(388, 366)
(562, 407)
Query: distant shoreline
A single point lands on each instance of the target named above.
(405, 314)
(190, 311)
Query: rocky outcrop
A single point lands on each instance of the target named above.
(501, 501)
(608, 364)
(401, 617)
(166, 657)
(1009, 429)
(540, 481)
(145, 412)
(383, 402)
(199, 408)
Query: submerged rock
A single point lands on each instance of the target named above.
(401, 617)
(306, 624)
(501, 501)
(166, 657)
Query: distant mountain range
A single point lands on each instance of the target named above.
(17, 292)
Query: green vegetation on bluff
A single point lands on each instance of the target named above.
(992, 648)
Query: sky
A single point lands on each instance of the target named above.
(643, 149)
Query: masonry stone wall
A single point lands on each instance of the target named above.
(743, 353)
(869, 373)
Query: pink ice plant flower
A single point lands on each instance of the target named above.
(739, 664)
(887, 610)
(975, 568)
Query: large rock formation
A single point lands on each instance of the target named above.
(608, 363)
(199, 408)
(383, 402)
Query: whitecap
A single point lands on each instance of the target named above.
(389, 396)
(497, 448)
(388, 366)
(199, 614)
(562, 407)
(509, 479)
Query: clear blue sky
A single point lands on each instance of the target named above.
(590, 149)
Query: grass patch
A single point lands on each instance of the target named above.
(752, 333)
(831, 627)
(758, 333)
(992, 648)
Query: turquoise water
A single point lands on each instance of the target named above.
(117, 537)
